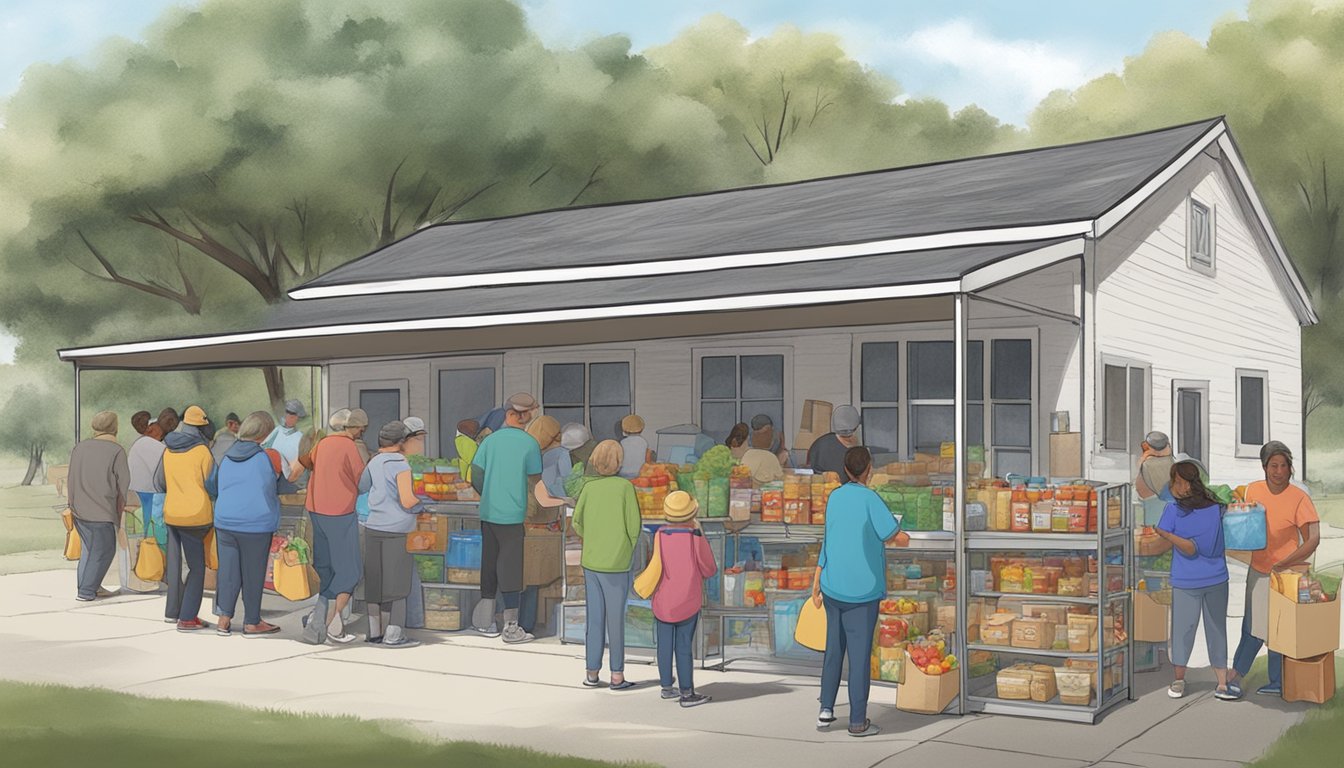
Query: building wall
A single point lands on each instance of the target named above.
(1150, 307)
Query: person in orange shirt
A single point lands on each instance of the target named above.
(188, 513)
(333, 490)
(1294, 533)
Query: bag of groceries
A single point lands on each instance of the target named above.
(149, 561)
(1245, 527)
(72, 545)
(293, 581)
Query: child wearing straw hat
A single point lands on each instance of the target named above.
(685, 559)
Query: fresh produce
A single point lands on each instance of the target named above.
(899, 606)
(717, 462)
(929, 654)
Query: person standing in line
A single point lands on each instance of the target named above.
(505, 469)
(850, 582)
(687, 561)
(606, 519)
(634, 447)
(245, 487)
(189, 514)
(1155, 467)
(1193, 525)
(393, 507)
(285, 440)
(1294, 529)
(581, 443)
(225, 439)
(542, 518)
(827, 454)
(144, 457)
(465, 443)
(160, 428)
(96, 489)
(333, 490)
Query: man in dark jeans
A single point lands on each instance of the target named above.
(97, 484)
(503, 470)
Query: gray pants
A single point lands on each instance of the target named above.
(1187, 605)
(98, 545)
(604, 608)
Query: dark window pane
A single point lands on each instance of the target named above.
(566, 414)
(717, 419)
(1201, 234)
(975, 370)
(880, 429)
(1252, 410)
(772, 408)
(1114, 418)
(609, 384)
(467, 394)
(1012, 425)
(1010, 378)
(382, 406)
(606, 421)
(932, 370)
(562, 384)
(878, 369)
(1011, 462)
(930, 427)
(1190, 423)
(762, 376)
(718, 378)
(975, 424)
(1138, 408)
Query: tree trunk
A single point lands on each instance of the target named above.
(34, 464)
(275, 388)
(1302, 460)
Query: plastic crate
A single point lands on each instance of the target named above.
(464, 550)
(639, 625)
(784, 613)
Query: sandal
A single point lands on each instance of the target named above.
(624, 685)
(593, 682)
(868, 730)
(263, 628)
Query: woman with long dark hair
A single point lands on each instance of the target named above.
(1193, 524)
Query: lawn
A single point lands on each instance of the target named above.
(28, 520)
(54, 725)
(1316, 741)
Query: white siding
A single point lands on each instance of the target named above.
(1151, 307)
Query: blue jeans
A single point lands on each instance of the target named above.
(336, 554)
(677, 640)
(98, 546)
(1249, 648)
(849, 633)
(242, 570)
(527, 607)
(184, 598)
(604, 614)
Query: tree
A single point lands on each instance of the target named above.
(27, 429)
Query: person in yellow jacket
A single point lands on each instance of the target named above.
(188, 512)
(466, 445)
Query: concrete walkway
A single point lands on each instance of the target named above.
(461, 687)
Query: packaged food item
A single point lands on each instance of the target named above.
(997, 629)
(1059, 518)
(1042, 516)
(1034, 632)
(1075, 686)
(1083, 631)
(1021, 522)
(1014, 683)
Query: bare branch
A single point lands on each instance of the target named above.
(386, 235)
(188, 300)
(205, 243)
(542, 176)
(592, 181)
(450, 211)
(753, 149)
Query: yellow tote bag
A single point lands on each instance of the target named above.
(293, 582)
(211, 551)
(647, 581)
(72, 544)
(811, 629)
(149, 561)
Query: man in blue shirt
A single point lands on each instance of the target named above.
(507, 464)
(851, 581)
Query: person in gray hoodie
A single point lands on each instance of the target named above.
(225, 438)
(393, 507)
(97, 486)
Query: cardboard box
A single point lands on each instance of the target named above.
(1066, 454)
(997, 629)
(1014, 683)
(816, 418)
(1302, 631)
(1151, 619)
(1310, 680)
(443, 621)
(924, 693)
(1057, 614)
(1035, 632)
(543, 558)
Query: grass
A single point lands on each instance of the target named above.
(1317, 740)
(56, 725)
(28, 522)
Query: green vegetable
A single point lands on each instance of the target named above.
(574, 483)
(717, 462)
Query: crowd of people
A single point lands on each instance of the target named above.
(199, 490)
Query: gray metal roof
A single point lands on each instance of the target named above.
(893, 269)
(1068, 183)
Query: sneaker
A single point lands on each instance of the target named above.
(107, 592)
(374, 640)
(343, 639)
(84, 599)
(1270, 690)
(1177, 689)
(167, 620)
(400, 642)
(867, 729)
(1226, 694)
(195, 625)
(490, 631)
(693, 699)
(825, 719)
(670, 694)
(223, 631)
(1234, 692)
(514, 635)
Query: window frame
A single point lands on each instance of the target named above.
(1197, 385)
(1246, 450)
(1131, 442)
(586, 358)
(737, 349)
(435, 443)
(1211, 214)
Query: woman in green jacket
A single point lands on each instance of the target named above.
(606, 518)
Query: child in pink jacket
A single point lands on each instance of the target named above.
(686, 561)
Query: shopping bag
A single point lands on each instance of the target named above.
(72, 545)
(810, 631)
(211, 551)
(1245, 528)
(149, 561)
(647, 581)
(293, 581)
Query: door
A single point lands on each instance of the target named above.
(464, 393)
(1191, 416)
(382, 405)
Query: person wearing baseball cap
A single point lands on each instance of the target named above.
(188, 511)
(225, 438)
(504, 470)
(686, 561)
(393, 507)
(285, 439)
(827, 454)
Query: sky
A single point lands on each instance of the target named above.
(1004, 55)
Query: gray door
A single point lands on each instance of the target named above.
(382, 405)
(466, 393)
(1190, 423)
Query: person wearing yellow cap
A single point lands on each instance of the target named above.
(634, 447)
(188, 513)
(685, 560)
